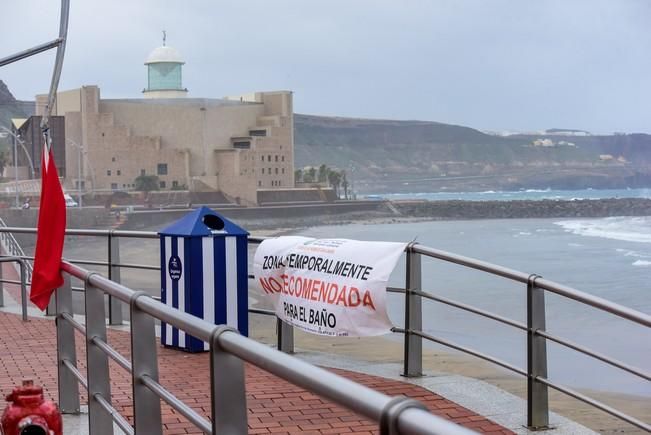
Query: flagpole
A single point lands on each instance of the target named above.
(56, 74)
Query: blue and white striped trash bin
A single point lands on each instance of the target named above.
(204, 273)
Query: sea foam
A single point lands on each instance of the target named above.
(630, 229)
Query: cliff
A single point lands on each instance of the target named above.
(386, 155)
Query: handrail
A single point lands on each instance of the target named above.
(361, 399)
(568, 292)
(535, 286)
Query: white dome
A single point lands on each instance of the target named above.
(164, 54)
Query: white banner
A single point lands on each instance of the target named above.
(333, 287)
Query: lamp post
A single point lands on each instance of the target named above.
(80, 150)
(16, 141)
(352, 184)
(16, 169)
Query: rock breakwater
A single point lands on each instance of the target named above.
(455, 209)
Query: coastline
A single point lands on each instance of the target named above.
(389, 349)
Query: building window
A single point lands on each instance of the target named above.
(282, 159)
(276, 157)
(269, 158)
(108, 172)
(262, 158)
(242, 144)
(259, 183)
(257, 132)
(114, 186)
(119, 172)
(161, 169)
(112, 159)
(162, 184)
(175, 183)
(262, 171)
(280, 183)
(142, 172)
(269, 171)
(283, 170)
(276, 171)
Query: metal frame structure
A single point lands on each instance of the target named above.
(535, 327)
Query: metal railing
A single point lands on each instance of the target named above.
(228, 352)
(10, 246)
(22, 264)
(535, 327)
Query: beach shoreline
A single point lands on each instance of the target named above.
(386, 349)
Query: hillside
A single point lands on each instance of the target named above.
(416, 155)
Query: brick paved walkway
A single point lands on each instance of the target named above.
(28, 350)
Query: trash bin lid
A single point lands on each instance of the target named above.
(203, 222)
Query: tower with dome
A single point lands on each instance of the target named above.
(164, 73)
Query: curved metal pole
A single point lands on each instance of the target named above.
(58, 64)
(22, 144)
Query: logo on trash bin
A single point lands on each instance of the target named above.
(174, 267)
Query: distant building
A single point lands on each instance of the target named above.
(234, 145)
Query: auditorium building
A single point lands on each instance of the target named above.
(238, 146)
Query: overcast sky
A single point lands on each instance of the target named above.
(489, 64)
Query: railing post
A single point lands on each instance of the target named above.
(413, 359)
(68, 383)
(285, 334)
(115, 307)
(23, 289)
(2, 286)
(99, 421)
(51, 309)
(227, 388)
(146, 405)
(537, 401)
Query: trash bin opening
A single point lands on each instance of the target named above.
(213, 222)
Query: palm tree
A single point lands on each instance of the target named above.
(334, 178)
(312, 174)
(344, 183)
(323, 173)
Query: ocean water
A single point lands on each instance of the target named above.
(537, 194)
(610, 258)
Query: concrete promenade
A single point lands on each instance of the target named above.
(274, 406)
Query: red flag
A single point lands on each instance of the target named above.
(50, 234)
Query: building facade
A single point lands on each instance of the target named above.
(234, 145)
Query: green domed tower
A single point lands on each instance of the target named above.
(164, 73)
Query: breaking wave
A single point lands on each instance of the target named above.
(630, 229)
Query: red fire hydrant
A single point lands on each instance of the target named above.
(28, 413)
